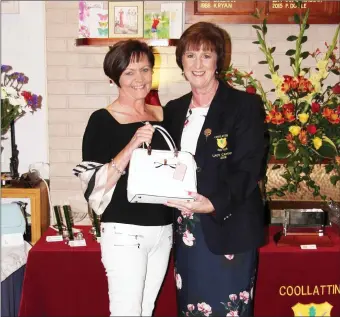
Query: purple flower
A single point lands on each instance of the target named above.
(34, 102)
(14, 75)
(21, 78)
(5, 68)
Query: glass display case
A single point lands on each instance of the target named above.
(304, 222)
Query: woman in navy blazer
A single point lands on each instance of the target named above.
(219, 232)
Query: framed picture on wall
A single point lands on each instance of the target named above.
(126, 19)
(156, 25)
(93, 19)
(176, 20)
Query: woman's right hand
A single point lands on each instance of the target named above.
(143, 134)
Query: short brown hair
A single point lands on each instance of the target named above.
(120, 56)
(205, 34)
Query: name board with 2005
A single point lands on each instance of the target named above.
(280, 12)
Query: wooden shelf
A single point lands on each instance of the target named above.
(40, 216)
(111, 41)
(288, 204)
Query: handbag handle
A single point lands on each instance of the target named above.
(167, 137)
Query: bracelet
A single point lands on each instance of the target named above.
(114, 165)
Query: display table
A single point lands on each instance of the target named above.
(64, 281)
(290, 280)
(70, 281)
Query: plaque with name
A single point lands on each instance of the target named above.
(327, 12)
(226, 7)
(280, 12)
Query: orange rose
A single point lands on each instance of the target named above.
(326, 112)
(334, 118)
(278, 119)
(289, 116)
(291, 147)
(270, 116)
(289, 137)
(303, 137)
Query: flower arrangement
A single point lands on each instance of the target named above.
(304, 119)
(14, 102)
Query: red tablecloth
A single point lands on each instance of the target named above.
(65, 281)
(291, 278)
(70, 281)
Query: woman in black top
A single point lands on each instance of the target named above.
(136, 239)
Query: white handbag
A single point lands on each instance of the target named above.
(156, 176)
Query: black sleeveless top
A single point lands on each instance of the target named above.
(103, 139)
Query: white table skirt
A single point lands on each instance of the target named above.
(13, 258)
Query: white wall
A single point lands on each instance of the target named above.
(23, 47)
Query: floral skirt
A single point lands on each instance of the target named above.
(209, 284)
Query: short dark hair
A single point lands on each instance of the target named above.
(205, 34)
(120, 56)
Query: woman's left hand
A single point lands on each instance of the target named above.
(200, 204)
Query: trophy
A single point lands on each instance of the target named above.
(95, 229)
(304, 227)
(59, 224)
(333, 209)
(68, 221)
(304, 222)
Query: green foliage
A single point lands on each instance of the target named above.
(304, 119)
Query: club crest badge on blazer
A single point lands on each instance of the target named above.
(222, 142)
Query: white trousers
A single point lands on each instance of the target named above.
(135, 259)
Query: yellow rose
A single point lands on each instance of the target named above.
(317, 143)
(303, 117)
(294, 130)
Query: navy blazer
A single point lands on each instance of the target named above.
(229, 156)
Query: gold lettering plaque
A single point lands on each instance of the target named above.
(278, 12)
